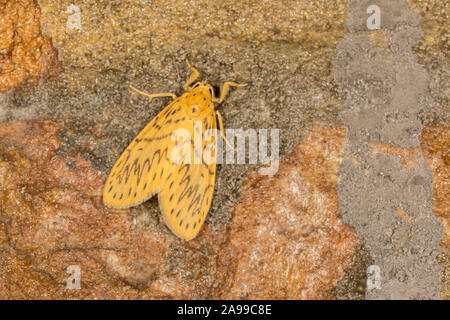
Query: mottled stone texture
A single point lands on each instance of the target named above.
(285, 241)
(386, 189)
(52, 217)
(25, 54)
(286, 235)
(432, 51)
(436, 151)
(284, 51)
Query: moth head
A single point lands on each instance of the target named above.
(204, 88)
(200, 99)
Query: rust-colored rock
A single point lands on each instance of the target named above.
(286, 235)
(406, 157)
(25, 54)
(436, 151)
(286, 239)
(52, 217)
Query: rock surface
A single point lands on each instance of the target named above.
(280, 245)
(25, 53)
(286, 235)
(284, 50)
(436, 151)
(386, 189)
(52, 218)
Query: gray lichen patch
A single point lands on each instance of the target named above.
(386, 190)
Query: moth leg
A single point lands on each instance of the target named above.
(192, 78)
(155, 95)
(225, 88)
(222, 133)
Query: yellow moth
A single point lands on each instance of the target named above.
(147, 167)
